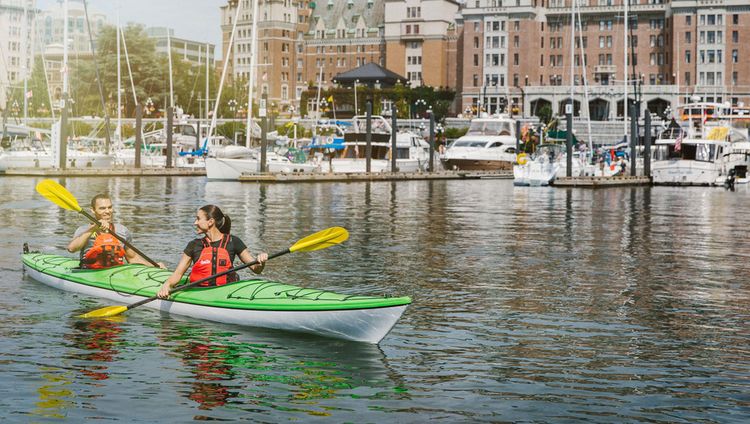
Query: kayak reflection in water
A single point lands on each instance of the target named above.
(209, 364)
(98, 340)
(212, 253)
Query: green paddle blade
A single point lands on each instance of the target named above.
(58, 195)
(321, 240)
(107, 311)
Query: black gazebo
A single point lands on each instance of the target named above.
(371, 75)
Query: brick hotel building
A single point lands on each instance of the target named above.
(506, 51)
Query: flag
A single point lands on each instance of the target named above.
(29, 94)
(678, 142)
(330, 99)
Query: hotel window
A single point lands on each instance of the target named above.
(515, 59)
(735, 56)
(688, 37)
(688, 20)
(687, 78)
(735, 19)
(476, 60)
(476, 42)
(734, 78)
(476, 80)
(687, 56)
(710, 78)
(735, 37)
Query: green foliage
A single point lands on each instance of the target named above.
(405, 97)
(545, 113)
(455, 132)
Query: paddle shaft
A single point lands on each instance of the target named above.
(125, 242)
(203, 280)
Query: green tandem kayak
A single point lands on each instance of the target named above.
(255, 303)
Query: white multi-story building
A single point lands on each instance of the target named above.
(16, 46)
(50, 27)
(189, 50)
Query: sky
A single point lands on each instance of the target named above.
(197, 20)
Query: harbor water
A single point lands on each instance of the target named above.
(530, 305)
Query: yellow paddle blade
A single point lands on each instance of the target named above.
(107, 311)
(321, 240)
(58, 195)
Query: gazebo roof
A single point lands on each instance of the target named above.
(369, 73)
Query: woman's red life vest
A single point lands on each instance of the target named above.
(213, 260)
(106, 252)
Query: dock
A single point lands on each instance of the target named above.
(601, 182)
(380, 176)
(105, 172)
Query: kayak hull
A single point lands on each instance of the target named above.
(361, 324)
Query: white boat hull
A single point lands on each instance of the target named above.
(685, 172)
(29, 159)
(232, 169)
(361, 325)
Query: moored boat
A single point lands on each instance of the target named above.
(489, 145)
(255, 303)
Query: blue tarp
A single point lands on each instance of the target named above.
(338, 144)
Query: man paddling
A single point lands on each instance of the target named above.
(99, 248)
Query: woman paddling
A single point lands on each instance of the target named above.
(213, 253)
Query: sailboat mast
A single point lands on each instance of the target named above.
(25, 58)
(625, 70)
(223, 72)
(208, 59)
(317, 101)
(251, 80)
(169, 56)
(119, 80)
(572, 53)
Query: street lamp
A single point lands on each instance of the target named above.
(419, 102)
(149, 106)
(324, 104)
(233, 108)
(356, 110)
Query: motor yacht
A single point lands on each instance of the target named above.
(489, 145)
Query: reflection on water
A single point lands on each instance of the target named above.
(264, 377)
(54, 396)
(531, 304)
(94, 343)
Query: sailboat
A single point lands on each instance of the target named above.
(40, 148)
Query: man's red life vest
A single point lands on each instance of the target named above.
(106, 252)
(213, 260)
